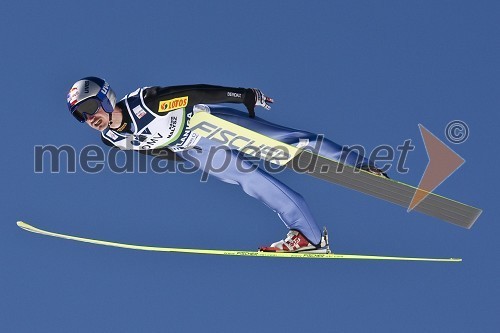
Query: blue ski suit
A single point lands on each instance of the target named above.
(157, 118)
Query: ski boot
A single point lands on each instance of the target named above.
(296, 242)
(374, 170)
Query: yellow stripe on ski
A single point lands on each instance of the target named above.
(303, 255)
(243, 139)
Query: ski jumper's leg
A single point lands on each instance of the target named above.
(327, 148)
(230, 166)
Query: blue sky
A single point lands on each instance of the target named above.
(364, 72)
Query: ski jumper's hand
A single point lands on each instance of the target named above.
(259, 100)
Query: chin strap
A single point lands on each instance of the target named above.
(110, 119)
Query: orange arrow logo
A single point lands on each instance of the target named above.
(443, 162)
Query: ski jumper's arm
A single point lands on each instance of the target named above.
(200, 94)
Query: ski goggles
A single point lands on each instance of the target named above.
(87, 107)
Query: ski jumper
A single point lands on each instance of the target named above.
(158, 118)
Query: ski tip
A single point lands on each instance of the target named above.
(24, 225)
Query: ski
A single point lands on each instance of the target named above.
(302, 255)
(305, 161)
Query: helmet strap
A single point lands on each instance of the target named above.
(110, 119)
